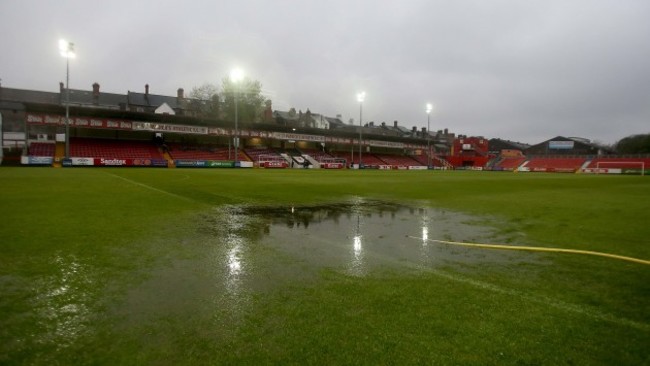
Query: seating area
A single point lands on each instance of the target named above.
(370, 160)
(436, 161)
(509, 163)
(255, 153)
(42, 149)
(113, 149)
(399, 160)
(557, 164)
(180, 152)
(316, 154)
(422, 159)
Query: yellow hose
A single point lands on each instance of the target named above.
(539, 249)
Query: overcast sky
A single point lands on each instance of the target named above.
(515, 69)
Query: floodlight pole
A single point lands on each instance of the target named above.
(67, 108)
(360, 132)
(236, 128)
(360, 97)
(235, 76)
(67, 50)
(429, 108)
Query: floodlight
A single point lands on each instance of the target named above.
(236, 75)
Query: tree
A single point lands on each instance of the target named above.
(205, 101)
(250, 101)
(635, 144)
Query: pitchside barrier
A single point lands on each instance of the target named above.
(204, 164)
(157, 163)
(36, 160)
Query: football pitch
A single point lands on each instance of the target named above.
(223, 266)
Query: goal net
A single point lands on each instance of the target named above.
(271, 161)
(621, 167)
(333, 163)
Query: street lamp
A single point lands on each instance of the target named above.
(429, 109)
(360, 97)
(67, 51)
(235, 76)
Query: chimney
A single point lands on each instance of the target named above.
(268, 111)
(372, 124)
(424, 130)
(383, 124)
(180, 93)
(95, 93)
(415, 129)
(395, 123)
(146, 89)
(61, 87)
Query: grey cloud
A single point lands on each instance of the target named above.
(521, 70)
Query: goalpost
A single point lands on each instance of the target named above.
(271, 161)
(619, 165)
(332, 163)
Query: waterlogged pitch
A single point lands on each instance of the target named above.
(192, 266)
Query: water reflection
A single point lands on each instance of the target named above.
(63, 301)
(234, 262)
(357, 264)
(235, 227)
(425, 235)
(356, 235)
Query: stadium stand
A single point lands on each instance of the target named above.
(181, 152)
(316, 154)
(369, 160)
(42, 149)
(399, 160)
(435, 160)
(509, 163)
(113, 149)
(255, 153)
(555, 164)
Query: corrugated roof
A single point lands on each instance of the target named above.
(29, 96)
(86, 98)
(286, 115)
(152, 100)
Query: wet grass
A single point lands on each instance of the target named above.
(112, 266)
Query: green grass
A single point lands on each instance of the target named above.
(114, 266)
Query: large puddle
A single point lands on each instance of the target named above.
(241, 251)
(356, 236)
